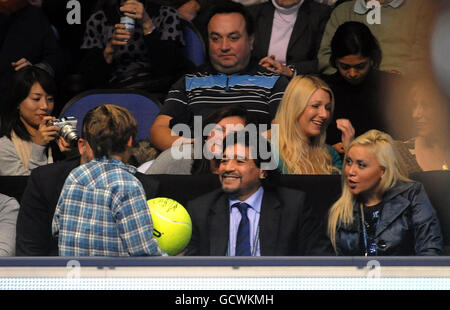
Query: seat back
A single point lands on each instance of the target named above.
(437, 186)
(143, 106)
(195, 48)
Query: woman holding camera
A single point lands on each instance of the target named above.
(27, 132)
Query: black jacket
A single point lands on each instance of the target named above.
(27, 33)
(305, 39)
(287, 225)
(408, 225)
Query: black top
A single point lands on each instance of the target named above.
(364, 105)
(26, 34)
(371, 217)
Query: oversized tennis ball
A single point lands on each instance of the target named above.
(172, 226)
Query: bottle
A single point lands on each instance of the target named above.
(128, 22)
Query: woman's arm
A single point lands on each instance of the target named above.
(11, 162)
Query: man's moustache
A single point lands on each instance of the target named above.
(225, 174)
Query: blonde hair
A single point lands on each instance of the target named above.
(381, 146)
(300, 155)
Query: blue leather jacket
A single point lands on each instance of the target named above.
(408, 225)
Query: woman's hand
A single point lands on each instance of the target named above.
(119, 38)
(46, 132)
(21, 63)
(271, 64)
(136, 10)
(348, 132)
(189, 10)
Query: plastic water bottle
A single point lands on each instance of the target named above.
(128, 22)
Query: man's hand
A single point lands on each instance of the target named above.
(189, 10)
(63, 145)
(271, 64)
(21, 63)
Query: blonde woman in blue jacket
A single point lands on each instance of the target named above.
(381, 212)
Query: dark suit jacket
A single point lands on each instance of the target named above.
(34, 222)
(305, 38)
(286, 224)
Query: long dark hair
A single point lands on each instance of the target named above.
(353, 38)
(22, 81)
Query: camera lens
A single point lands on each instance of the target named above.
(69, 134)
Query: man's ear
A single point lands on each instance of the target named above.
(251, 40)
(262, 174)
(130, 142)
(81, 146)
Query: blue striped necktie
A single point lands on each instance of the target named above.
(243, 234)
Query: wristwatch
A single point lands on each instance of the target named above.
(293, 70)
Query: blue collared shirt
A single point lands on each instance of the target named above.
(102, 211)
(253, 213)
(361, 6)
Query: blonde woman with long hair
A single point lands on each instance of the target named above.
(303, 117)
(381, 211)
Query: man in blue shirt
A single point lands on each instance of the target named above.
(249, 215)
(231, 77)
(102, 210)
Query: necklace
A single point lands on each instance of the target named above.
(368, 241)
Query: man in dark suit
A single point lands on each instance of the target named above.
(288, 35)
(274, 221)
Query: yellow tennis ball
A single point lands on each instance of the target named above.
(172, 226)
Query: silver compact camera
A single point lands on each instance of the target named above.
(67, 128)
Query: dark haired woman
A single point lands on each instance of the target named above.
(26, 127)
(430, 149)
(360, 89)
(144, 58)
